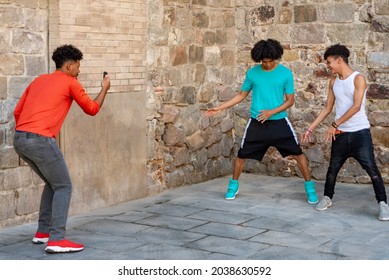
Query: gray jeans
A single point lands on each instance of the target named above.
(44, 156)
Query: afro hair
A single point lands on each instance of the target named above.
(337, 51)
(65, 53)
(270, 49)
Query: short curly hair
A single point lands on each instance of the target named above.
(65, 53)
(336, 51)
(269, 48)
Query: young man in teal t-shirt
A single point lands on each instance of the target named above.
(272, 88)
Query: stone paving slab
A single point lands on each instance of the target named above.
(269, 219)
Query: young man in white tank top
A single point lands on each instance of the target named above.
(350, 133)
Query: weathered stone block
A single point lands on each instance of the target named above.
(3, 87)
(168, 162)
(174, 77)
(308, 34)
(206, 93)
(285, 16)
(36, 180)
(377, 91)
(214, 150)
(182, 17)
(17, 178)
(305, 13)
(173, 135)
(209, 38)
(8, 158)
(319, 172)
(199, 2)
(190, 119)
(175, 178)
(290, 55)
(380, 136)
(226, 125)
(380, 24)
(383, 156)
(211, 135)
(36, 65)
(4, 41)
(27, 42)
(33, 4)
(196, 54)
(200, 20)
(170, 114)
(212, 55)
(213, 75)
(216, 19)
(178, 55)
(200, 73)
(341, 34)
(11, 64)
(221, 37)
(378, 60)
(229, 19)
(338, 12)
(181, 156)
(28, 200)
(11, 17)
(7, 202)
(187, 95)
(195, 141)
(379, 118)
(228, 57)
(260, 16)
(199, 158)
(7, 108)
(226, 145)
(226, 94)
(17, 86)
(381, 7)
(315, 154)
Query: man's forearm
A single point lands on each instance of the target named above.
(101, 97)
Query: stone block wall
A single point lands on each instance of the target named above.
(199, 52)
(191, 62)
(23, 56)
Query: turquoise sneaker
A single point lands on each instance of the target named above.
(233, 189)
(311, 193)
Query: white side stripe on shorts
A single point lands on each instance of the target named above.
(245, 132)
(291, 128)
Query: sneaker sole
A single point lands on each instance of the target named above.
(322, 209)
(231, 198)
(40, 240)
(57, 249)
(383, 219)
(310, 202)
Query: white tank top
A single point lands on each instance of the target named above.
(344, 99)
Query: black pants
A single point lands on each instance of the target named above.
(358, 145)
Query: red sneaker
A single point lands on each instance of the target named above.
(63, 246)
(40, 238)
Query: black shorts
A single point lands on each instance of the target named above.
(258, 137)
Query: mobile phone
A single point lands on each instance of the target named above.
(105, 74)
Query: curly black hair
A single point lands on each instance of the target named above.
(269, 48)
(65, 53)
(336, 51)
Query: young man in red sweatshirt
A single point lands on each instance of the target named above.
(39, 116)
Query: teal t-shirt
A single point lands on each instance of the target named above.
(268, 89)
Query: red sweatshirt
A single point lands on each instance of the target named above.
(45, 103)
